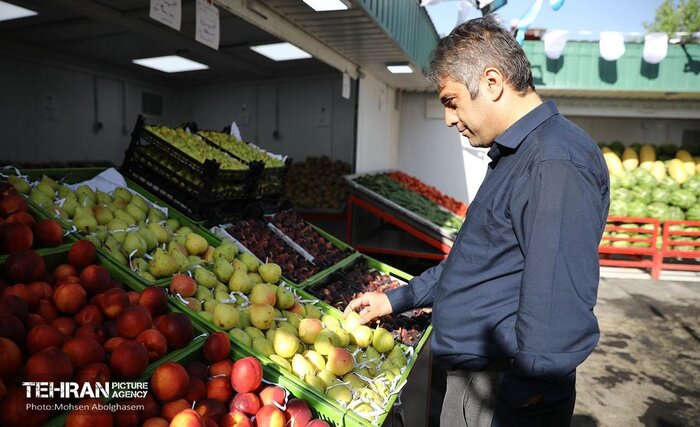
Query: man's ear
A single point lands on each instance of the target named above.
(494, 84)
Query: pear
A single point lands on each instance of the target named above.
(339, 392)
(57, 212)
(140, 203)
(46, 189)
(133, 242)
(264, 293)
(250, 261)
(179, 239)
(140, 264)
(238, 265)
(86, 201)
(301, 366)
(240, 336)
(69, 207)
(263, 346)
(240, 282)
(204, 294)
(327, 376)
(120, 204)
(330, 321)
(50, 182)
(20, 185)
(225, 316)
(101, 233)
(155, 215)
(117, 224)
(253, 332)
(207, 316)
(270, 272)
(184, 230)
(64, 192)
(118, 256)
(205, 278)
(292, 319)
(84, 220)
(102, 197)
(286, 345)
(85, 192)
(160, 232)
(92, 238)
(342, 334)
(382, 340)
(123, 194)
(221, 296)
(135, 212)
(119, 236)
(285, 297)
(40, 198)
(172, 224)
(125, 216)
(221, 287)
(148, 236)
(194, 261)
(281, 361)
(315, 382)
(195, 244)
(111, 243)
(102, 214)
(244, 320)
(361, 335)
(162, 264)
(312, 311)
(286, 326)
(173, 245)
(223, 269)
(397, 355)
(181, 260)
(255, 278)
(227, 250)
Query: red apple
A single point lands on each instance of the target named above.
(43, 289)
(133, 320)
(82, 253)
(15, 306)
(65, 325)
(24, 218)
(216, 347)
(155, 343)
(155, 422)
(273, 393)
(177, 328)
(187, 418)
(95, 279)
(196, 391)
(170, 409)
(24, 266)
(87, 415)
(50, 364)
(317, 423)
(113, 302)
(16, 410)
(91, 330)
(43, 336)
(12, 203)
(199, 370)
(170, 382)
(83, 351)
(25, 292)
(220, 389)
(297, 413)
(48, 233)
(248, 403)
(269, 416)
(12, 328)
(129, 360)
(10, 359)
(64, 270)
(155, 300)
(113, 343)
(235, 419)
(94, 373)
(221, 368)
(246, 374)
(210, 409)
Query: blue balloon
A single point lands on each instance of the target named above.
(556, 4)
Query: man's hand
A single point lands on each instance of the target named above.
(370, 305)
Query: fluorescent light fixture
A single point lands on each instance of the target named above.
(327, 5)
(281, 51)
(403, 68)
(170, 64)
(10, 11)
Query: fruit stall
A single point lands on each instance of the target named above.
(240, 323)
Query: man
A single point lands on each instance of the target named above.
(513, 302)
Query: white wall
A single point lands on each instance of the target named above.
(378, 126)
(310, 116)
(36, 130)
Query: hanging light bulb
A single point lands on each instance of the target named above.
(655, 47)
(612, 45)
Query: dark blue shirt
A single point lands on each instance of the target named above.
(521, 280)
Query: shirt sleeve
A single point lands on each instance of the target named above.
(560, 213)
(419, 291)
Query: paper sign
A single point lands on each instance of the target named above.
(207, 31)
(168, 12)
(346, 86)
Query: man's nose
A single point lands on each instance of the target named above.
(451, 118)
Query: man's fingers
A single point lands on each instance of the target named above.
(353, 305)
(366, 315)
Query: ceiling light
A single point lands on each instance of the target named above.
(326, 5)
(281, 51)
(403, 68)
(10, 11)
(170, 64)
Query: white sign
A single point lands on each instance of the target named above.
(168, 12)
(207, 24)
(346, 86)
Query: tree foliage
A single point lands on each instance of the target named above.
(674, 16)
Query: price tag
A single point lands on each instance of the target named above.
(208, 27)
(346, 86)
(167, 12)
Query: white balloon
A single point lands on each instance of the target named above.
(655, 47)
(612, 45)
(554, 43)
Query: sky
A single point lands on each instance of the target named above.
(595, 16)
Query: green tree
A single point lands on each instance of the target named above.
(674, 16)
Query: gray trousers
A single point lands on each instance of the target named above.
(472, 400)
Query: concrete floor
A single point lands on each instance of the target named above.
(646, 368)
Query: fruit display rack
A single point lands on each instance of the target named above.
(203, 188)
(369, 275)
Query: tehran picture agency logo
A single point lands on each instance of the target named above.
(74, 390)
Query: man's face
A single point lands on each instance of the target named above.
(470, 116)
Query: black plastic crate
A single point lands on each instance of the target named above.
(150, 155)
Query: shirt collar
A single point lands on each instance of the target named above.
(518, 131)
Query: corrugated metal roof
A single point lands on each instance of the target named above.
(582, 72)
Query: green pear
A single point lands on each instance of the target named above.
(325, 340)
(160, 232)
(207, 316)
(221, 287)
(118, 256)
(223, 269)
(135, 212)
(92, 238)
(180, 259)
(330, 321)
(255, 278)
(253, 332)
(301, 366)
(57, 212)
(46, 189)
(327, 376)
(179, 239)
(293, 320)
(40, 198)
(155, 215)
(312, 311)
(64, 192)
(148, 236)
(382, 340)
(86, 201)
(281, 361)
(209, 304)
(101, 233)
(270, 334)
(184, 230)
(172, 224)
(102, 197)
(270, 272)
(244, 320)
(102, 214)
(124, 216)
(361, 335)
(85, 223)
(240, 336)
(50, 182)
(239, 265)
(339, 392)
(286, 326)
(240, 282)
(397, 355)
(140, 264)
(69, 207)
(221, 296)
(119, 236)
(123, 194)
(285, 297)
(250, 261)
(205, 278)
(225, 316)
(20, 184)
(85, 191)
(117, 224)
(263, 346)
(120, 204)
(140, 203)
(133, 243)
(195, 244)
(227, 250)
(162, 264)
